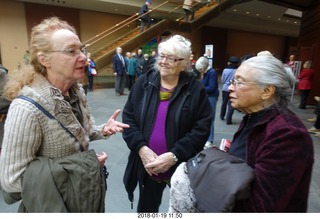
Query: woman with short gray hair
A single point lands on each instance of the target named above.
(209, 79)
(169, 116)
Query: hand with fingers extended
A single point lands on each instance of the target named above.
(113, 126)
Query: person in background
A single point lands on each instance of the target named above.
(119, 69)
(169, 116)
(84, 81)
(140, 59)
(193, 66)
(271, 138)
(152, 59)
(305, 83)
(227, 76)
(145, 63)
(291, 62)
(188, 10)
(127, 57)
(132, 70)
(90, 65)
(57, 62)
(145, 19)
(210, 82)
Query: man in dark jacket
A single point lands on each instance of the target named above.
(145, 19)
(119, 71)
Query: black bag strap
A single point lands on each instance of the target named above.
(50, 116)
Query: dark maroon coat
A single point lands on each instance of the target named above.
(280, 149)
(305, 79)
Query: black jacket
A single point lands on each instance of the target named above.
(187, 123)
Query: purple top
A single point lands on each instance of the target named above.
(157, 141)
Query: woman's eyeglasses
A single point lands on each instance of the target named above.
(236, 83)
(72, 52)
(169, 59)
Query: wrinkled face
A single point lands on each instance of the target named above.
(170, 65)
(245, 94)
(67, 60)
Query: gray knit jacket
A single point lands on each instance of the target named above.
(30, 133)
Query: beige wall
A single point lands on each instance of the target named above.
(13, 34)
(13, 29)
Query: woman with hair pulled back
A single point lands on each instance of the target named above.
(57, 62)
(169, 116)
(271, 138)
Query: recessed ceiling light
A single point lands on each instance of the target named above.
(257, 14)
(248, 12)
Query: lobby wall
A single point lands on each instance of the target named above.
(17, 19)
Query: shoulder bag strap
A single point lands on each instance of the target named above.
(50, 116)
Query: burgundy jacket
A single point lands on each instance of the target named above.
(305, 79)
(280, 150)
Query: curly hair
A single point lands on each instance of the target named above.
(40, 42)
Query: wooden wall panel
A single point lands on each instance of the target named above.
(35, 13)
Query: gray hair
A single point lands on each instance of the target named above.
(202, 63)
(178, 46)
(271, 71)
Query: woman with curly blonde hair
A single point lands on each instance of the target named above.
(49, 117)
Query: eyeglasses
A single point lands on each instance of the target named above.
(72, 52)
(170, 59)
(236, 83)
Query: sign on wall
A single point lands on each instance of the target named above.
(209, 54)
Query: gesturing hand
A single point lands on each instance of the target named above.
(112, 126)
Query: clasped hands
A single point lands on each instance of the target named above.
(153, 163)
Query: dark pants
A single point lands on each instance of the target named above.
(145, 22)
(188, 13)
(120, 83)
(304, 94)
(224, 105)
(150, 195)
(90, 79)
(131, 79)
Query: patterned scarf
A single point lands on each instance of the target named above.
(165, 94)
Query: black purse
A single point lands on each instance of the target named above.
(219, 179)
